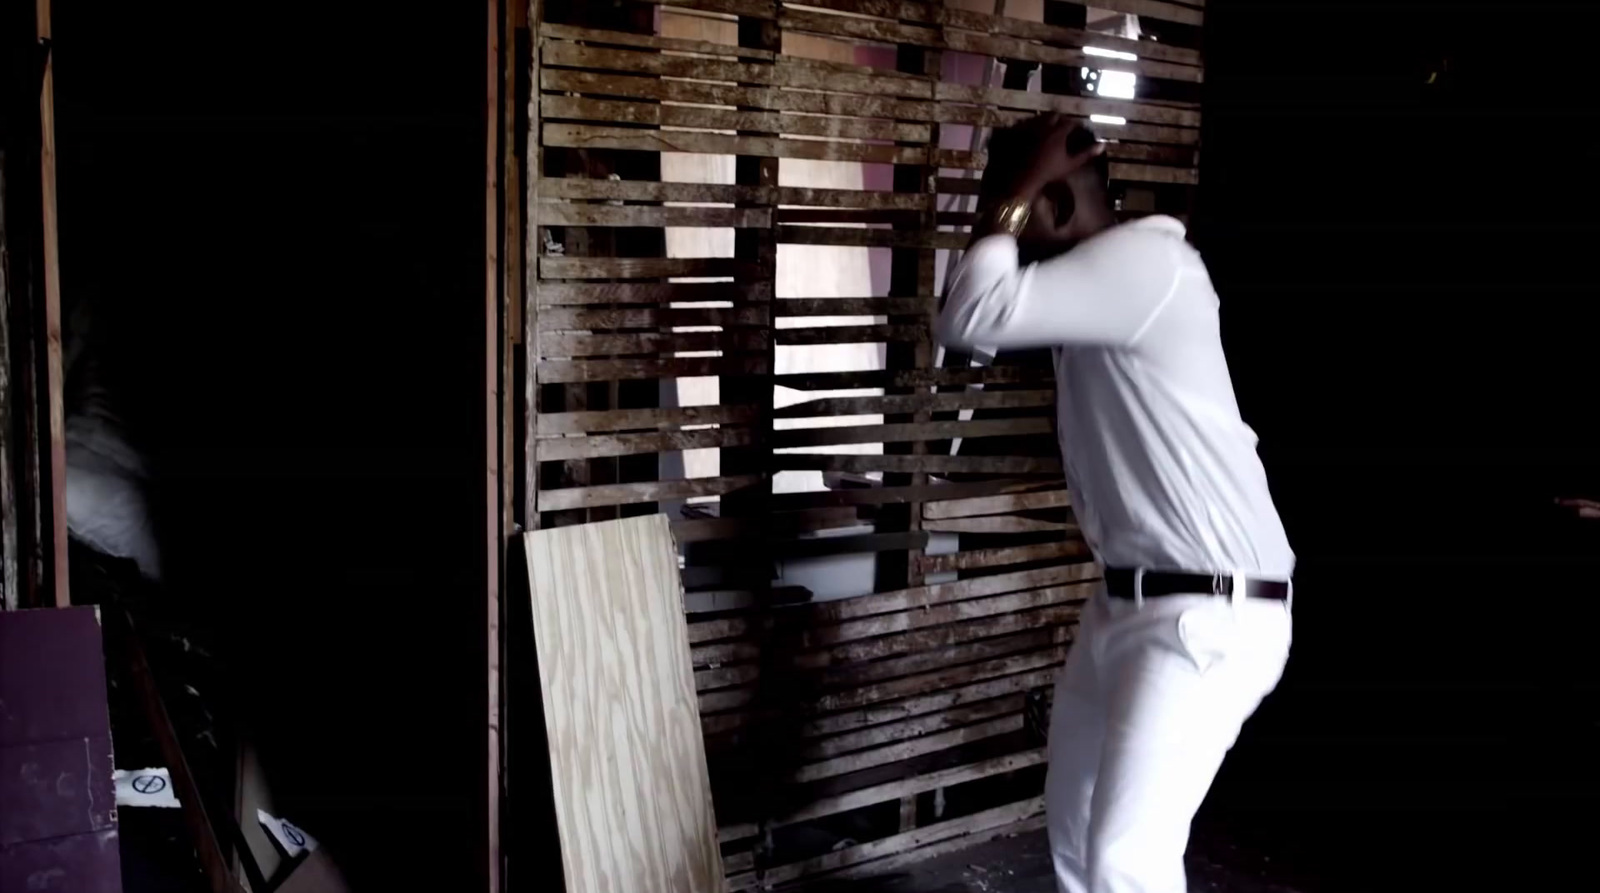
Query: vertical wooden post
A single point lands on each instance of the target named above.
(911, 273)
(530, 279)
(10, 577)
(56, 454)
(496, 292)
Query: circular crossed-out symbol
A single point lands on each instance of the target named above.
(295, 835)
(149, 784)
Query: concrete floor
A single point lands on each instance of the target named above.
(1022, 865)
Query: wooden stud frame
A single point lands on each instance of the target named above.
(894, 696)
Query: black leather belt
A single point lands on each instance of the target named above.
(1155, 584)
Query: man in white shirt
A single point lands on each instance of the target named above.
(1193, 627)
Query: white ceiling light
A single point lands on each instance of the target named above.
(1108, 119)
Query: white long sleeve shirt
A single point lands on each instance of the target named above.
(1163, 471)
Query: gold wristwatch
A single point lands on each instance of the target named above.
(1011, 215)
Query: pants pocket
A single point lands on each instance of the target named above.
(1206, 633)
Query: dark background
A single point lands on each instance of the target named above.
(1406, 271)
(279, 211)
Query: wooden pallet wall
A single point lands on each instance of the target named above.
(918, 700)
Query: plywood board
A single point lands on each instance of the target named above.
(628, 765)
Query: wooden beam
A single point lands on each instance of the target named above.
(56, 448)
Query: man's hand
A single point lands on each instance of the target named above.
(1051, 162)
(1583, 508)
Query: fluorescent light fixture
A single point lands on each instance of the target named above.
(1110, 54)
(1117, 84)
(1108, 119)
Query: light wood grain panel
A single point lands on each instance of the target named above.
(627, 761)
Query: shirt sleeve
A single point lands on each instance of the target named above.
(1106, 291)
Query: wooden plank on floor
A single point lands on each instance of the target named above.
(613, 667)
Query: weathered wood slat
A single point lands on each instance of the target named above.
(937, 638)
(582, 136)
(1153, 173)
(879, 238)
(923, 704)
(573, 214)
(726, 699)
(953, 612)
(714, 630)
(631, 444)
(913, 378)
(649, 491)
(912, 464)
(554, 294)
(847, 215)
(905, 750)
(573, 345)
(552, 424)
(772, 98)
(741, 831)
(650, 41)
(561, 371)
(570, 55)
(897, 495)
(896, 403)
(850, 198)
(874, 857)
(755, 9)
(650, 190)
(875, 30)
(979, 558)
(855, 306)
(724, 653)
(723, 677)
(733, 863)
(896, 789)
(1072, 105)
(786, 71)
(993, 505)
(959, 843)
(939, 593)
(914, 727)
(949, 656)
(574, 108)
(997, 524)
(1014, 48)
(648, 268)
(653, 191)
(850, 334)
(809, 437)
(556, 320)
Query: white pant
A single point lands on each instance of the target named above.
(1151, 698)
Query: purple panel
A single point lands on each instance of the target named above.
(58, 814)
(55, 789)
(52, 676)
(85, 863)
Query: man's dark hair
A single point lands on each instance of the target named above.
(1011, 147)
